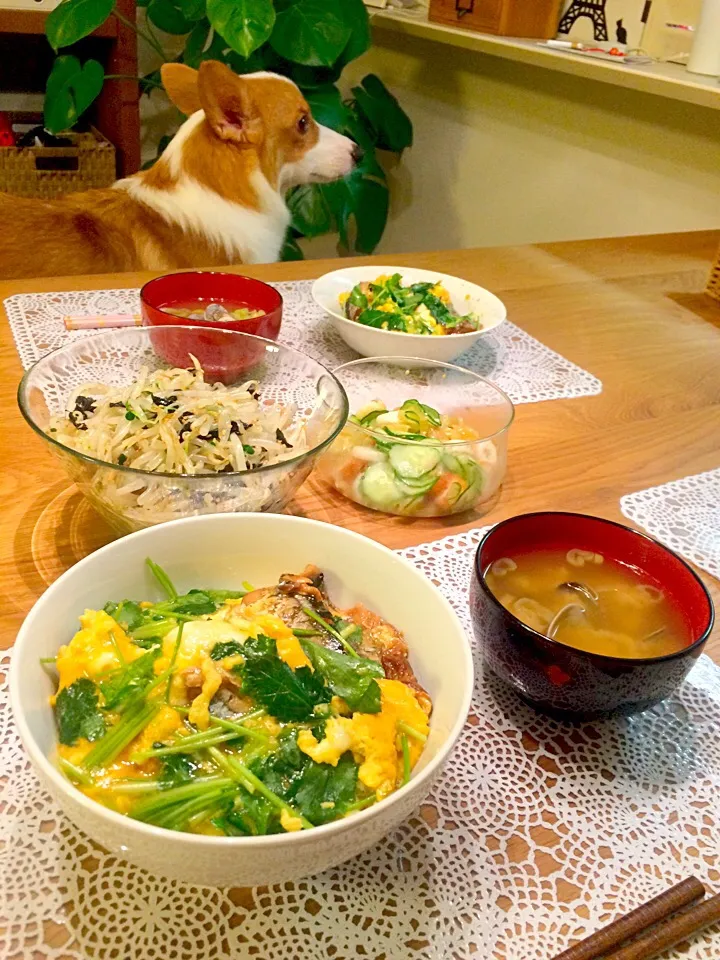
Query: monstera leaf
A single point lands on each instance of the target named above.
(385, 115)
(311, 215)
(329, 109)
(203, 43)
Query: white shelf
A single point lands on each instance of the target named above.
(662, 79)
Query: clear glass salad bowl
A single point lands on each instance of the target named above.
(129, 498)
(440, 449)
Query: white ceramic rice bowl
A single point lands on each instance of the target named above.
(371, 342)
(222, 550)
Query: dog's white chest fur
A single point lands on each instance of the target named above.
(252, 236)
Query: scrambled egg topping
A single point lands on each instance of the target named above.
(99, 647)
(391, 307)
(198, 639)
(161, 727)
(289, 822)
(232, 622)
(288, 645)
(372, 737)
(102, 646)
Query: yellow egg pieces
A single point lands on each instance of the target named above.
(372, 738)
(99, 647)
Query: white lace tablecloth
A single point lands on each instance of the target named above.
(526, 369)
(684, 515)
(537, 834)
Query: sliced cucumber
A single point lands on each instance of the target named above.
(415, 488)
(452, 463)
(421, 483)
(471, 470)
(411, 461)
(378, 486)
(464, 466)
(475, 478)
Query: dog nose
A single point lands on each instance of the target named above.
(357, 153)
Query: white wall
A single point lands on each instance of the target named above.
(506, 153)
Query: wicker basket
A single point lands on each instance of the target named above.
(48, 172)
(713, 287)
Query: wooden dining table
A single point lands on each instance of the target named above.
(631, 311)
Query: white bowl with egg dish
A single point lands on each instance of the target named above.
(299, 708)
(452, 314)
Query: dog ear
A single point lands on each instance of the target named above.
(181, 85)
(228, 104)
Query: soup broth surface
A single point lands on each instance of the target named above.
(195, 310)
(631, 618)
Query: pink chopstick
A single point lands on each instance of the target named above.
(98, 322)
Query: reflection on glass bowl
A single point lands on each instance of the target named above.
(440, 448)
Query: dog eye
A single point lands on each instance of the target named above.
(303, 123)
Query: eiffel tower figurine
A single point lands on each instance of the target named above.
(594, 9)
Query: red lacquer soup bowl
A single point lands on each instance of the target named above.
(559, 679)
(201, 288)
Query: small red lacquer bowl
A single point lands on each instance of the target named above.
(205, 287)
(559, 679)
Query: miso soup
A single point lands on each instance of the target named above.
(198, 310)
(590, 602)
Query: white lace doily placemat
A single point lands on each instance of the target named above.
(537, 833)
(684, 515)
(525, 368)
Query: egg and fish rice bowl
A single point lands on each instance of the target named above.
(238, 713)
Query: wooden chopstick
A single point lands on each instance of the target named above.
(665, 935)
(600, 943)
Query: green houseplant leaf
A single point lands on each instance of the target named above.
(258, 60)
(70, 90)
(167, 16)
(291, 250)
(370, 201)
(311, 32)
(337, 198)
(192, 9)
(361, 199)
(74, 19)
(311, 214)
(203, 43)
(387, 118)
(245, 24)
(356, 15)
(328, 108)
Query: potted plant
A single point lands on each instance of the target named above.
(310, 41)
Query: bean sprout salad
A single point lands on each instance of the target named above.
(173, 421)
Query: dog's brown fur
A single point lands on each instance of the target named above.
(251, 123)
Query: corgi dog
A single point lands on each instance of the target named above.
(215, 197)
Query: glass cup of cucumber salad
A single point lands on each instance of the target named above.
(424, 439)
